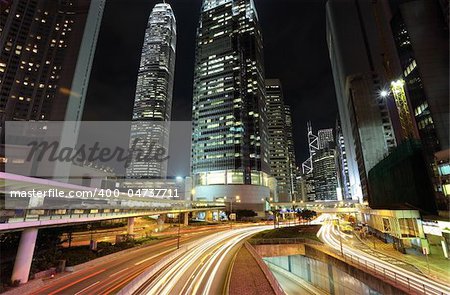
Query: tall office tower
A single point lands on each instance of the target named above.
(47, 49)
(420, 32)
(325, 138)
(324, 174)
(280, 165)
(423, 53)
(291, 150)
(342, 166)
(301, 188)
(154, 90)
(359, 71)
(230, 148)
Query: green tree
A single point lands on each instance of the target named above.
(307, 214)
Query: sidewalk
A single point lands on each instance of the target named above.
(439, 265)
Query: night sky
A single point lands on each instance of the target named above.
(295, 51)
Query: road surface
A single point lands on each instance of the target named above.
(110, 276)
(203, 269)
(382, 264)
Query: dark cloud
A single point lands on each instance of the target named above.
(295, 51)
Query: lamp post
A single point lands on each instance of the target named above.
(294, 213)
(340, 236)
(238, 200)
(179, 226)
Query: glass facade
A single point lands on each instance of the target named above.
(278, 139)
(324, 172)
(416, 92)
(291, 150)
(229, 140)
(38, 40)
(154, 90)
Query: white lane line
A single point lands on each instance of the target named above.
(116, 273)
(79, 292)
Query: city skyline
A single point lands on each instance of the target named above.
(306, 102)
(185, 180)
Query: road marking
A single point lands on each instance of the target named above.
(76, 282)
(154, 256)
(116, 273)
(79, 292)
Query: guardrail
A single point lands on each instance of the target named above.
(398, 280)
(27, 216)
(283, 241)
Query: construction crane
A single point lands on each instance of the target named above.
(397, 86)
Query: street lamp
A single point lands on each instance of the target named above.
(238, 200)
(340, 236)
(294, 212)
(179, 226)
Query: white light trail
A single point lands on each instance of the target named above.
(202, 262)
(419, 283)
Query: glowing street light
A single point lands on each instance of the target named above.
(384, 93)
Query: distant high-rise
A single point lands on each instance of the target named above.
(342, 166)
(46, 53)
(280, 164)
(324, 174)
(422, 49)
(154, 90)
(291, 150)
(359, 71)
(325, 138)
(230, 148)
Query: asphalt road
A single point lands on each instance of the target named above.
(110, 276)
(377, 262)
(203, 269)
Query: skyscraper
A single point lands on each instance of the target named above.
(280, 164)
(325, 138)
(291, 150)
(154, 90)
(342, 166)
(47, 49)
(422, 48)
(358, 64)
(230, 148)
(324, 163)
(324, 174)
(420, 33)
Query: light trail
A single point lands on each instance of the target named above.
(196, 271)
(418, 283)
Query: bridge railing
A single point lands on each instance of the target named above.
(30, 215)
(283, 241)
(396, 279)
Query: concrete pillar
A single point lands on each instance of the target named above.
(185, 218)
(24, 255)
(130, 226)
